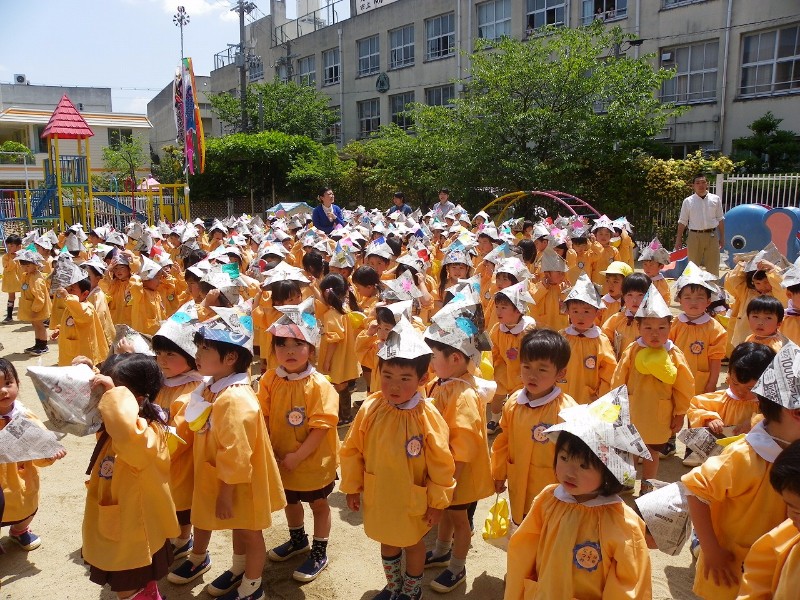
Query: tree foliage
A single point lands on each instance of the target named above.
(124, 158)
(168, 168)
(24, 153)
(768, 149)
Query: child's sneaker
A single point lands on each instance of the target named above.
(38, 350)
(224, 584)
(287, 550)
(384, 594)
(448, 581)
(417, 596)
(27, 540)
(437, 561)
(183, 551)
(234, 595)
(188, 571)
(311, 568)
(492, 427)
(668, 449)
(693, 460)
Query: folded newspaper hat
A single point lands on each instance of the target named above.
(518, 295)
(44, 242)
(134, 230)
(65, 273)
(791, 277)
(603, 222)
(513, 266)
(618, 268)
(769, 253)
(283, 271)
(149, 269)
(482, 214)
(96, 263)
(415, 262)
(221, 281)
(551, 261)
(540, 231)
(558, 237)
(115, 238)
(181, 327)
(404, 341)
(401, 288)
(460, 325)
(605, 426)
(298, 321)
(231, 325)
(458, 256)
(490, 231)
(101, 231)
(653, 305)
(780, 382)
(499, 252)
(585, 291)
(694, 275)
(31, 256)
(379, 247)
(217, 226)
(73, 243)
(395, 311)
(623, 223)
(655, 251)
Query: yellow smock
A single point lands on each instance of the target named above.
(78, 333)
(98, 298)
(626, 248)
(736, 286)
(775, 342)
(790, 327)
(700, 344)
(611, 306)
(584, 263)
(662, 285)
(505, 354)
(366, 348)
(605, 256)
(34, 301)
(721, 404)
(772, 566)
(400, 461)
(621, 330)
(147, 308)
(119, 302)
(12, 275)
(338, 329)
(547, 307)
(591, 366)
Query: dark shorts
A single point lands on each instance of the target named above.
(459, 506)
(657, 447)
(294, 497)
(9, 523)
(184, 516)
(134, 579)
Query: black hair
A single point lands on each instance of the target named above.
(8, 370)
(206, 287)
(314, 264)
(766, 304)
(142, 376)
(283, 290)
(635, 282)
(190, 277)
(695, 287)
(545, 344)
(575, 447)
(366, 276)
(749, 360)
(14, 239)
(335, 292)
(752, 276)
(698, 176)
(194, 257)
(444, 191)
(400, 195)
(448, 351)
(527, 225)
(97, 272)
(528, 250)
(84, 285)
(321, 191)
(401, 268)
(795, 289)
(383, 314)
(785, 473)
(511, 276)
(772, 411)
(162, 343)
(419, 364)
(395, 245)
(280, 341)
(243, 356)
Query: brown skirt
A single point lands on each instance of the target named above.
(135, 579)
(295, 497)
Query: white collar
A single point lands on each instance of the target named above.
(17, 409)
(283, 374)
(701, 320)
(517, 329)
(658, 277)
(629, 314)
(183, 379)
(561, 494)
(415, 400)
(522, 398)
(233, 379)
(668, 346)
(763, 443)
(591, 333)
(609, 299)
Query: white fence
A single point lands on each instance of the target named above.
(776, 191)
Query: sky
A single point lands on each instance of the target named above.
(131, 46)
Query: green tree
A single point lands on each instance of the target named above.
(124, 158)
(169, 168)
(288, 107)
(768, 149)
(23, 153)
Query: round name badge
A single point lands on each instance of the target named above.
(537, 433)
(24, 286)
(414, 446)
(586, 556)
(697, 347)
(106, 467)
(296, 416)
(590, 362)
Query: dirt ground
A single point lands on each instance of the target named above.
(56, 570)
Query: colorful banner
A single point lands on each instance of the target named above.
(188, 123)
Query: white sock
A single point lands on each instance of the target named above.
(248, 586)
(237, 563)
(496, 417)
(196, 559)
(457, 565)
(441, 548)
(179, 542)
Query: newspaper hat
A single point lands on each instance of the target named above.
(694, 275)
(230, 325)
(149, 269)
(134, 230)
(791, 276)
(26, 255)
(605, 426)
(415, 262)
(551, 261)
(180, 328)
(44, 242)
(457, 256)
(401, 288)
(518, 295)
(298, 321)
(96, 263)
(540, 231)
(653, 305)
(283, 271)
(482, 214)
(395, 311)
(404, 341)
(221, 281)
(65, 273)
(769, 253)
(498, 253)
(513, 266)
(460, 325)
(622, 223)
(490, 231)
(379, 247)
(603, 222)
(617, 268)
(780, 382)
(342, 257)
(655, 251)
(218, 226)
(115, 238)
(585, 291)
(73, 243)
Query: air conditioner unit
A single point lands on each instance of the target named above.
(666, 57)
(20, 79)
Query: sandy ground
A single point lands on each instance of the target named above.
(56, 570)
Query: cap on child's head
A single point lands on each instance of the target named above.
(618, 268)
(655, 251)
(780, 382)
(298, 321)
(585, 291)
(342, 258)
(513, 266)
(221, 281)
(402, 287)
(30, 256)
(460, 325)
(653, 305)
(552, 261)
(405, 342)
(392, 313)
(149, 269)
(771, 254)
(694, 275)
(518, 295)
(603, 222)
(379, 248)
(230, 325)
(791, 277)
(181, 327)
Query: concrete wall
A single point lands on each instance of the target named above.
(46, 97)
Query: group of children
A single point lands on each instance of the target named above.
(580, 360)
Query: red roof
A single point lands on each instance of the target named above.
(67, 123)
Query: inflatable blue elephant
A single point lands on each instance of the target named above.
(750, 227)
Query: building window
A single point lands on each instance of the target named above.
(282, 72)
(604, 10)
(307, 70)
(116, 136)
(42, 145)
(399, 105)
(401, 47)
(330, 62)
(440, 38)
(771, 62)
(544, 12)
(255, 70)
(696, 73)
(674, 3)
(369, 117)
(440, 96)
(334, 132)
(369, 57)
(494, 19)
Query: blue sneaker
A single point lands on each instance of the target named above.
(694, 546)
(437, 561)
(27, 540)
(311, 568)
(234, 595)
(224, 583)
(187, 571)
(492, 427)
(183, 551)
(448, 581)
(384, 594)
(287, 550)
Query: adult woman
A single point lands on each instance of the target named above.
(327, 215)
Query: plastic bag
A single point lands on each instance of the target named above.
(496, 527)
(67, 398)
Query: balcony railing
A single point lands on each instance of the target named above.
(326, 16)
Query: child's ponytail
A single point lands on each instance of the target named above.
(141, 375)
(335, 292)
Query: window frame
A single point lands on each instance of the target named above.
(364, 132)
(434, 40)
(406, 49)
(372, 57)
(122, 134)
(617, 12)
(531, 11)
(334, 132)
(773, 62)
(401, 118)
(309, 75)
(440, 89)
(504, 20)
(685, 97)
(331, 73)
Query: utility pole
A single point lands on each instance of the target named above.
(243, 7)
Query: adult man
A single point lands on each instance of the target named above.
(701, 214)
(399, 199)
(444, 205)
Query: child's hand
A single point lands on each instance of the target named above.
(83, 360)
(719, 564)
(677, 423)
(125, 346)
(224, 509)
(60, 454)
(354, 502)
(499, 486)
(372, 330)
(102, 381)
(61, 293)
(54, 335)
(716, 426)
(765, 265)
(433, 516)
(290, 461)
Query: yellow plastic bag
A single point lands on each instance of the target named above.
(486, 366)
(496, 525)
(656, 362)
(356, 319)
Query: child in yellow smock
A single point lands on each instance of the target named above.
(592, 361)
(790, 326)
(370, 340)
(615, 274)
(622, 228)
(147, 305)
(522, 454)
(119, 292)
(396, 462)
(95, 269)
(77, 331)
(129, 515)
(764, 316)
(620, 328)
(11, 283)
(603, 230)
(34, 300)
(279, 289)
(549, 293)
(301, 410)
(730, 500)
(580, 540)
(655, 257)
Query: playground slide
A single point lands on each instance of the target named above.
(119, 206)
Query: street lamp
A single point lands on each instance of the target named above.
(181, 19)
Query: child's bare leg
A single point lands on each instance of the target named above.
(39, 330)
(462, 535)
(294, 515)
(21, 527)
(415, 563)
(650, 467)
(496, 405)
(186, 531)
(322, 518)
(202, 537)
(251, 544)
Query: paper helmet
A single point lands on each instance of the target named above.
(181, 327)
(231, 325)
(780, 382)
(585, 291)
(551, 261)
(653, 305)
(518, 295)
(655, 251)
(404, 341)
(297, 321)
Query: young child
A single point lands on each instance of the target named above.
(522, 454)
(11, 274)
(129, 515)
(580, 540)
(592, 361)
(603, 230)
(147, 305)
(764, 315)
(456, 342)
(620, 328)
(770, 567)
(370, 340)
(790, 326)
(396, 463)
(300, 407)
(510, 306)
(585, 258)
(701, 338)
(281, 292)
(119, 292)
(659, 381)
(19, 482)
(730, 500)
(366, 282)
(236, 481)
(456, 265)
(654, 257)
(614, 275)
(34, 301)
(549, 293)
(96, 269)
